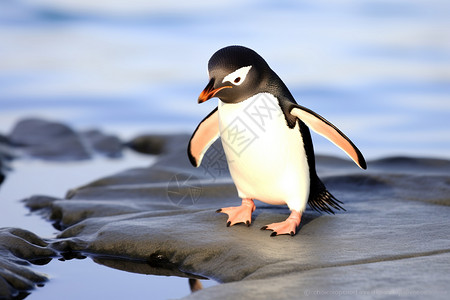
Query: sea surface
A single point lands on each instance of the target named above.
(379, 70)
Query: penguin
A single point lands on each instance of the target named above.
(266, 139)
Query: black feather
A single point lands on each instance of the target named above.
(322, 200)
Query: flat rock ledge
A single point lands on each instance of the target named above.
(392, 241)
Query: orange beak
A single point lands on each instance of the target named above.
(209, 91)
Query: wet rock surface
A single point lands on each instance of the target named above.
(396, 220)
(392, 241)
(18, 250)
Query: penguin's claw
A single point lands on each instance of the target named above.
(285, 227)
(239, 214)
(288, 226)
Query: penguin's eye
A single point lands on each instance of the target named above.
(237, 77)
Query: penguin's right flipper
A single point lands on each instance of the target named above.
(323, 127)
(204, 135)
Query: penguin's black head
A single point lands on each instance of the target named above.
(236, 73)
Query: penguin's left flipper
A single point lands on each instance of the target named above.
(204, 135)
(323, 127)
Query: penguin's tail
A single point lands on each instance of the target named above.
(320, 199)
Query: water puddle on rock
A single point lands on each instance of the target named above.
(84, 279)
(78, 278)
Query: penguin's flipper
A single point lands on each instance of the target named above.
(204, 135)
(329, 131)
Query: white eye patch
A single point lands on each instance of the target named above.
(238, 76)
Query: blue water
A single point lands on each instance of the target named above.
(379, 70)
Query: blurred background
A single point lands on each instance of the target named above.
(379, 70)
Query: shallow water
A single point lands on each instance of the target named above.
(34, 177)
(83, 279)
(80, 277)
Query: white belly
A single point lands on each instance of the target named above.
(266, 158)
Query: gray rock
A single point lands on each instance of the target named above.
(417, 277)
(56, 141)
(108, 145)
(18, 249)
(48, 140)
(392, 241)
(6, 154)
(148, 144)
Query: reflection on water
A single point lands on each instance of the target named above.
(76, 274)
(35, 177)
(82, 279)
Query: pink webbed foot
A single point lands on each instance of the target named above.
(288, 226)
(239, 214)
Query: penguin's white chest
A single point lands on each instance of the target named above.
(266, 158)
